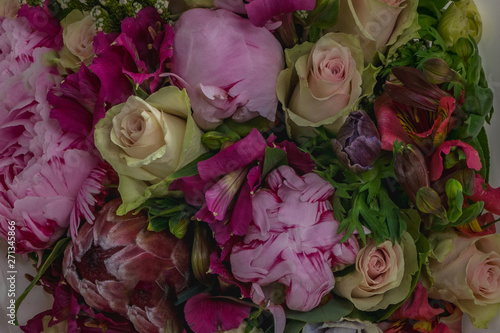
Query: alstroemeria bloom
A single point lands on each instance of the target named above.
(225, 182)
(261, 11)
(228, 73)
(418, 112)
(141, 52)
(293, 239)
(471, 156)
(207, 315)
(489, 195)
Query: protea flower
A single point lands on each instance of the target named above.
(117, 265)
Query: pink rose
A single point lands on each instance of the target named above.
(383, 274)
(293, 239)
(466, 272)
(228, 73)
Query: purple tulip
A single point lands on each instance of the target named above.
(358, 143)
(228, 73)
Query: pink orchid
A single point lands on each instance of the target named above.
(206, 314)
(436, 164)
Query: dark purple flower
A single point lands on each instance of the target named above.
(358, 143)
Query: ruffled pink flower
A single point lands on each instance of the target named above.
(293, 239)
(48, 178)
(489, 195)
(228, 73)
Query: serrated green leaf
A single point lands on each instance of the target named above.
(335, 309)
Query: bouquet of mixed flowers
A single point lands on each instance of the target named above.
(249, 166)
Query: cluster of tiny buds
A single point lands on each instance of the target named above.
(302, 14)
(161, 6)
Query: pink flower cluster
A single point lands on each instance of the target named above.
(46, 177)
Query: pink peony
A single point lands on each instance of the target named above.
(46, 178)
(293, 239)
(228, 73)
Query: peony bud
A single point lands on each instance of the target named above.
(358, 143)
(428, 201)
(410, 169)
(200, 254)
(438, 71)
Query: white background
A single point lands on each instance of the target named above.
(490, 51)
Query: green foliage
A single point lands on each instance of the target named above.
(170, 213)
(335, 309)
(360, 200)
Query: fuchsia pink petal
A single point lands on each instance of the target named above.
(389, 126)
(206, 314)
(261, 11)
(417, 307)
(236, 156)
(489, 195)
(436, 166)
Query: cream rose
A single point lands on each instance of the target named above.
(9, 8)
(145, 141)
(378, 23)
(323, 83)
(382, 276)
(466, 272)
(78, 36)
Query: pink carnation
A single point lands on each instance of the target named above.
(293, 239)
(46, 178)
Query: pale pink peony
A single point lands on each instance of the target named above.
(228, 73)
(47, 178)
(293, 239)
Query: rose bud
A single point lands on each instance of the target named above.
(410, 169)
(358, 144)
(428, 201)
(438, 71)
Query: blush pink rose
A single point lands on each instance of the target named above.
(293, 239)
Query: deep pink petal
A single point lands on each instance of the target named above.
(205, 314)
(436, 167)
(297, 159)
(42, 20)
(193, 188)
(236, 156)
(261, 11)
(389, 126)
(490, 196)
(417, 307)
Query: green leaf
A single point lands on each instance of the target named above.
(242, 129)
(56, 252)
(484, 153)
(335, 309)
(469, 213)
(191, 169)
(478, 100)
(294, 326)
(471, 127)
(273, 158)
(324, 15)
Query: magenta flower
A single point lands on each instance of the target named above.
(436, 165)
(228, 73)
(489, 195)
(207, 315)
(261, 12)
(418, 112)
(293, 239)
(48, 178)
(225, 182)
(141, 52)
